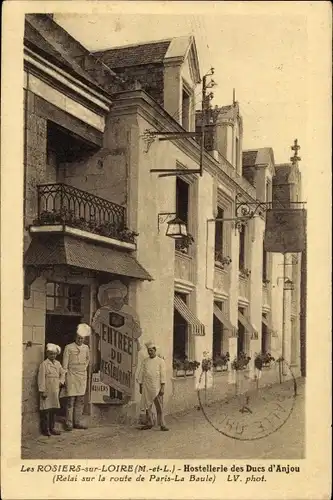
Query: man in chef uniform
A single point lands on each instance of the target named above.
(151, 380)
(75, 363)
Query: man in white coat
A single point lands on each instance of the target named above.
(152, 377)
(75, 363)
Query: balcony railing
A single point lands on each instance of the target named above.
(67, 205)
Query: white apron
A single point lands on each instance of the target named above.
(75, 363)
(151, 376)
(50, 376)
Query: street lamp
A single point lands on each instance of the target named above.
(176, 227)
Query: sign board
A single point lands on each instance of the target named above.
(99, 392)
(118, 328)
(285, 230)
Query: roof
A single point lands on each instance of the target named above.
(135, 55)
(260, 156)
(282, 173)
(66, 250)
(51, 41)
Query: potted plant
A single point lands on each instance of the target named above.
(244, 272)
(183, 244)
(184, 368)
(240, 362)
(220, 260)
(220, 363)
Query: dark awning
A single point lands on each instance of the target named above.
(247, 325)
(223, 318)
(66, 250)
(194, 325)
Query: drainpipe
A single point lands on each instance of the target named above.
(284, 312)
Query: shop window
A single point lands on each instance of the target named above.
(242, 245)
(219, 229)
(180, 334)
(63, 298)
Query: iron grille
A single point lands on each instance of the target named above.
(63, 204)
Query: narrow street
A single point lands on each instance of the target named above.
(190, 437)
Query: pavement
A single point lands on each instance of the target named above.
(190, 436)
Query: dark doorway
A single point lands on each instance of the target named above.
(60, 330)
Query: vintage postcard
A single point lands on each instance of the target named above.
(166, 228)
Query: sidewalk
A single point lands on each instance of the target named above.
(190, 436)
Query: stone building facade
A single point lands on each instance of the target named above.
(96, 214)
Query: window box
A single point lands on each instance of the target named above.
(184, 368)
(221, 261)
(183, 244)
(241, 362)
(244, 272)
(263, 360)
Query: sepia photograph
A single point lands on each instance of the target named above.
(165, 236)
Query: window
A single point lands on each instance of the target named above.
(186, 105)
(182, 209)
(180, 334)
(241, 335)
(237, 155)
(182, 199)
(268, 192)
(220, 339)
(265, 337)
(219, 236)
(264, 265)
(64, 298)
(242, 235)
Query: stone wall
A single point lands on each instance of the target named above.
(33, 354)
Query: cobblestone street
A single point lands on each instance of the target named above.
(190, 436)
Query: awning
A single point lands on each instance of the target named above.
(247, 325)
(66, 250)
(223, 318)
(194, 325)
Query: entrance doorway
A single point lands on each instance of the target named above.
(60, 330)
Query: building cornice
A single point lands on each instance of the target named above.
(65, 82)
(138, 101)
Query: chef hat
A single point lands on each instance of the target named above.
(83, 330)
(151, 345)
(53, 348)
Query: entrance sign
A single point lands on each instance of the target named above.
(118, 328)
(285, 230)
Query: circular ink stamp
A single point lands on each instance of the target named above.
(252, 408)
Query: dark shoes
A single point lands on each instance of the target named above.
(54, 432)
(46, 432)
(147, 427)
(80, 426)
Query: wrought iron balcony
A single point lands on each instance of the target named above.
(60, 204)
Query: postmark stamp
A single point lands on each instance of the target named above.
(250, 410)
